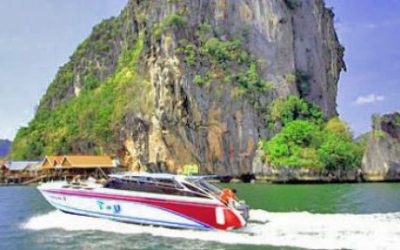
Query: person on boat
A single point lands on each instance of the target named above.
(228, 196)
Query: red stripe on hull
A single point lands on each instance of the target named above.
(204, 213)
(130, 198)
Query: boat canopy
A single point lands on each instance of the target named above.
(161, 176)
(164, 183)
(144, 175)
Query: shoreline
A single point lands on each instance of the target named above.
(262, 180)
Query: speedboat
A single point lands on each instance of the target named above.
(168, 200)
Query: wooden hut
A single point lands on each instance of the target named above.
(3, 170)
(69, 166)
(19, 171)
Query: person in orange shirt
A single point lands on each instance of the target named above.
(228, 195)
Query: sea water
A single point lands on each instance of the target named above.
(369, 218)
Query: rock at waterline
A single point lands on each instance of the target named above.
(381, 160)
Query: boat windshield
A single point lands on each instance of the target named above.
(206, 186)
(154, 185)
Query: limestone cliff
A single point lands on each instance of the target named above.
(382, 157)
(173, 82)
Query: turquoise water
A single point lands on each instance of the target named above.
(324, 198)
(351, 216)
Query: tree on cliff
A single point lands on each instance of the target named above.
(312, 144)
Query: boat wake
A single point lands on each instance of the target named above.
(296, 229)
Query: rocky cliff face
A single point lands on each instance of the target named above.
(382, 157)
(187, 82)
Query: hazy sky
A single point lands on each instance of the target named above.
(38, 36)
(370, 32)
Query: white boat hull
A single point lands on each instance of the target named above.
(140, 209)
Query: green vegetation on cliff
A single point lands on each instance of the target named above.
(282, 111)
(89, 120)
(87, 65)
(228, 61)
(307, 141)
(295, 146)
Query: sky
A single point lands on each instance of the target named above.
(38, 36)
(370, 32)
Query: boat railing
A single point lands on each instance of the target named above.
(151, 181)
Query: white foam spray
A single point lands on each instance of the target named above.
(297, 229)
